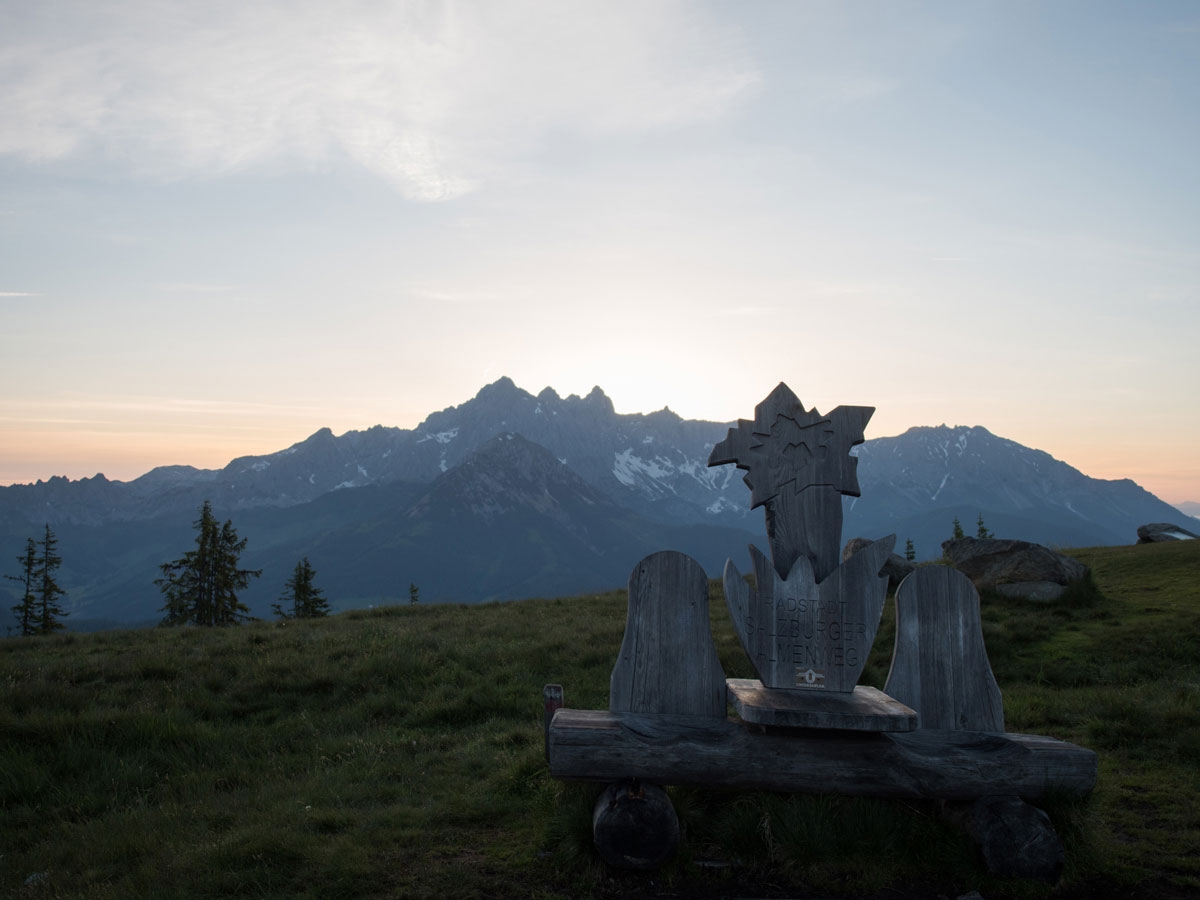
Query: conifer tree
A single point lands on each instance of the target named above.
(26, 610)
(201, 586)
(414, 595)
(910, 552)
(49, 612)
(306, 599)
(981, 531)
(958, 532)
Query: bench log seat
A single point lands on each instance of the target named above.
(596, 745)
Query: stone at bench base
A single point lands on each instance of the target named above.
(1016, 839)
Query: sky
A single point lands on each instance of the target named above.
(226, 225)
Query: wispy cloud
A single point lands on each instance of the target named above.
(83, 404)
(441, 295)
(844, 88)
(748, 311)
(19, 294)
(435, 98)
(197, 288)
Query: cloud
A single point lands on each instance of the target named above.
(19, 294)
(434, 97)
(748, 311)
(182, 287)
(845, 88)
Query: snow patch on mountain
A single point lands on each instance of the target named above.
(714, 479)
(627, 467)
(721, 505)
(442, 437)
(940, 486)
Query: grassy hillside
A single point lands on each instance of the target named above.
(398, 753)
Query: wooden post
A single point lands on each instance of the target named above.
(552, 701)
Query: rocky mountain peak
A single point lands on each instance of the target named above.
(504, 474)
(599, 400)
(501, 387)
(510, 455)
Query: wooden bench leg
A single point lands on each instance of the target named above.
(634, 825)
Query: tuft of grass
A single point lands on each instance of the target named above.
(398, 752)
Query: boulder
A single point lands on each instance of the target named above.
(1032, 590)
(1163, 531)
(1017, 840)
(897, 568)
(991, 562)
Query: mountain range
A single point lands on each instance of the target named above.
(513, 495)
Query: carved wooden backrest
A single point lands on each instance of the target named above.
(808, 636)
(668, 663)
(810, 624)
(798, 465)
(940, 666)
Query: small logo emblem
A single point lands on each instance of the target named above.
(809, 677)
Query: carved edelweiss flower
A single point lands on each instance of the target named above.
(786, 444)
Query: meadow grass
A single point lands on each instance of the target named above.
(398, 752)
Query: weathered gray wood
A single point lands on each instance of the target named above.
(668, 663)
(864, 709)
(801, 635)
(634, 825)
(590, 745)
(807, 524)
(797, 462)
(940, 666)
(552, 702)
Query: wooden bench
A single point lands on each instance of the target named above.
(936, 730)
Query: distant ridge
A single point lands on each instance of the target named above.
(508, 473)
(1189, 508)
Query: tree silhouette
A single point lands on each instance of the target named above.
(40, 610)
(26, 610)
(307, 601)
(49, 612)
(201, 586)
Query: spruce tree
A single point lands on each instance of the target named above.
(201, 586)
(958, 532)
(306, 599)
(26, 610)
(49, 612)
(981, 530)
(414, 595)
(910, 552)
